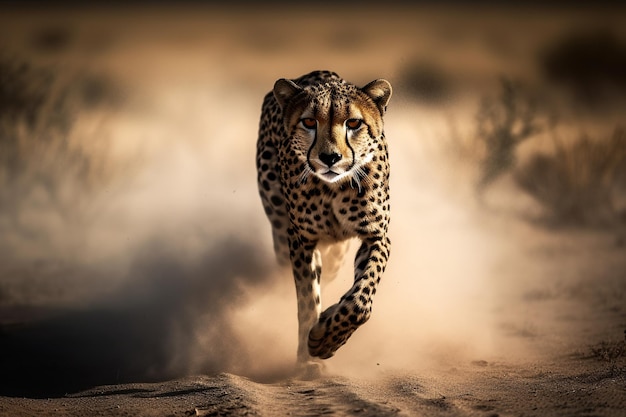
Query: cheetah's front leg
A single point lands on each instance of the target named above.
(306, 264)
(337, 323)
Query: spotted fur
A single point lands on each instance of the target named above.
(323, 174)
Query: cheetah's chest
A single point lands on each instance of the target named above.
(319, 212)
(314, 214)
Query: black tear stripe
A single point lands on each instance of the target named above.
(351, 150)
(308, 154)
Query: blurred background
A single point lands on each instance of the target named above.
(133, 245)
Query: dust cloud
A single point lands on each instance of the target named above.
(161, 266)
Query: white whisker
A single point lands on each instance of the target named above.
(357, 174)
(305, 174)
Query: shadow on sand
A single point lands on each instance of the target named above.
(145, 331)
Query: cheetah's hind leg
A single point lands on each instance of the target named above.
(333, 255)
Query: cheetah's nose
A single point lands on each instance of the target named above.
(330, 158)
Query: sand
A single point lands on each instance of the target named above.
(559, 353)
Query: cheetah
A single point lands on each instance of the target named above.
(323, 173)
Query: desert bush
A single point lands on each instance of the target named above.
(609, 351)
(39, 155)
(578, 183)
(502, 124)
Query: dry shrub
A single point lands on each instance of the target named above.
(579, 182)
(502, 124)
(609, 351)
(39, 152)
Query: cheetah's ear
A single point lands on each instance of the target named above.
(379, 91)
(285, 90)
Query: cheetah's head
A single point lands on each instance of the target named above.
(333, 129)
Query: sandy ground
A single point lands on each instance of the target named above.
(155, 292)
(572, 362)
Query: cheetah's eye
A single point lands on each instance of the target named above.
(354, 123)
(309, 123)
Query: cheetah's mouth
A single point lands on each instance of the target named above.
(332, 176)
(329, 175)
